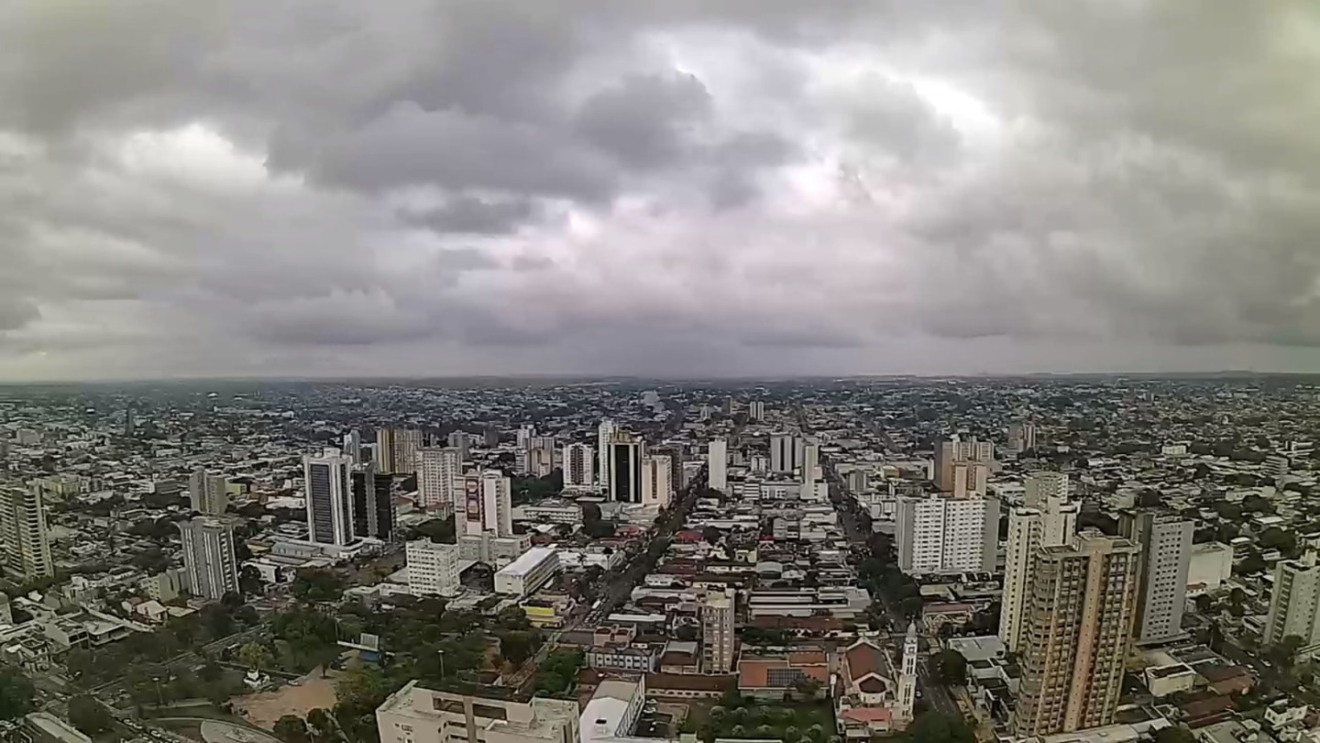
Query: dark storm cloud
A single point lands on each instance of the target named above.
(594, 184)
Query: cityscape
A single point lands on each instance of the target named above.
(1022, 559)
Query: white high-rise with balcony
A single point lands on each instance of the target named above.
(1046, 519)
(578, 463)
(945, 535)
(717, 465)
(439, 478)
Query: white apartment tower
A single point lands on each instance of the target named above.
(657, 487)
(1295, 601)
(1166, 553)
(783, 453)
(945, 535)
(23, 529)
(578, 466)
(396, 449)
(810, 460)
(489, 505)
(329, 492)
(353, 446)
(604, 435)
(717, 631)
(439, 478)
(432, 568)
(207, 493)
(208, 557)
(756, 410)
(1046, 519)
(717, 465)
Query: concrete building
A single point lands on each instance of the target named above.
(717, 465)
(353, 446)
(524, 576)
(488, 504)
(1047, 520)
(207, 493)
(625, 475)
(432, 568)
(1211, 564)
(810, 464)
(396, 449)
(1294, 602)
(1166, 545)
(946, 535)
(328, 487)
(657, 488)
(717, 638)
(210, 568)
(373, 503)
(578, 464)
(492, 550)
(439, 478)
(756, 410)
(604, 435)
(961, 466)
(1079, 627)
(23, 530)
(783, 453)
(417, 715)
(1021, 437)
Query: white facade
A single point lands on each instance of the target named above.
(1295, 601)
(1047, 520)
(783, 453)
(207, 493)
(717, 631)
(942, 535)
(439, 478)
(657, 487)
(1166, 545)
(756, 410)
(578, 466)
(717, 464)
(810, 461)
(488, 504)
(417, 715)
(432, 568)
(329, 492)
(524, 576)
(1211, 564)
(603, 436)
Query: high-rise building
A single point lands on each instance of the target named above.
(353, 446)
(207, 493)
(1021, 437)
(396, 449)
(717, 616)
(373, 503)
(945, 535)
(756, 410)
(810, 463)
(1166, 553)
(23, 530)
(417, 715)
(432, 568)
(949, 478)
(459, 440)
(783, 453)
(604, 435)
(329, 497)
(439, 477)
(209, 564)
(541, 459)
(1048, 520)
(625, 453)
(657, 488)
(578, 464)
(1079, 627)
(488, 505)
(1295, 601)
(717, 465)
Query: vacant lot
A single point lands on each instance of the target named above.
(312, 691)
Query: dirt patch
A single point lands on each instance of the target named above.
(310, 692)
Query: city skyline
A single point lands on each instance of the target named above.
(726, 188)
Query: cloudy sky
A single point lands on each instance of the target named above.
(338, 187)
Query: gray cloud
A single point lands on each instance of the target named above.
(740, 185)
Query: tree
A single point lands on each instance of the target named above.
(321, 724)
(1252, 563)
(89, 715)
(806, 686)
(317, 584)
(1284, 652)
(249, 581)
(950, 667)
(254, 655)
(933, 727)
(16, 693)
(711, 534)
(516, 647)
(291, 729)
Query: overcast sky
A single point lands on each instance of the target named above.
(668, 187)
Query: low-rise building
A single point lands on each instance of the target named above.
(529, 572)
(418, 715)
